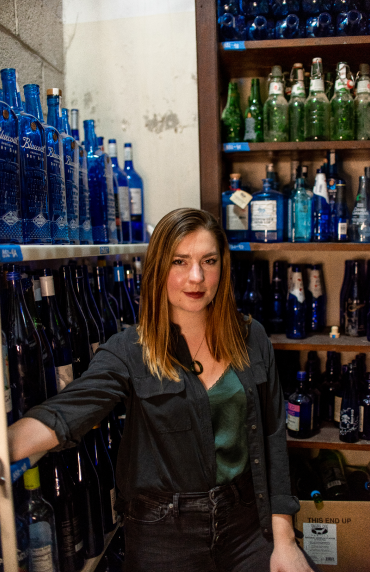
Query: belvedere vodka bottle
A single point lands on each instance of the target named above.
(296, 104)
(71, 171)
(34, 186)
(275, 110)
(317, 106)
(102, 205)
(362, 104)
(54, 167)
(86, 236)
(342, 106)
(266, 215)
(254, 115)
(10, 193)
(232, 124)
(296, 306)
(321, 209)
(123, 192)
(360, 219)
(136, 188)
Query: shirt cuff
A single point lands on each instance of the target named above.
(284, 504)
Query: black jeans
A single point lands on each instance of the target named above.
(218, 531)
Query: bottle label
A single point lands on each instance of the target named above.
(315, 284)
(342, 230)
(361, 419)
(298, 90)
(136, 206)
(363, 86)
(64, 376)
(296, 286)
(94, 347)
(236, 218)
(47, 286)
(353, 325)
(294, 412)
(250, 129)
(317, 85)
(276, 88)
(119, 275)
(36, 290)
(124, 203)
(7, 390)
(348, 421)
(41, 559)
(128, 153)
(360, 213)
(264, 215)
(341, 85)
(332, 484)
(337, 408)
(241, 198)
(68, 538)
(41, 547)
(112, 503)
(320, 189)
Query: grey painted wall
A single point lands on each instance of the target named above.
(31, 40)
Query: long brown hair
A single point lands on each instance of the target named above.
(225, 330)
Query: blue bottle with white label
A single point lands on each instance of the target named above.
(86, 236)
(33, 176)
(71, 172)
(136, 188)
(321, 209)
(266, 215)
(123, 192)
(235, 220)
(296, 305)
(300, 410)
(100, 173)
(54, 167)
(10, 192)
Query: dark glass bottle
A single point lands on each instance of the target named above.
(316, 300)
(330, 467)
(304, 478)
(56, 331)
(361, 373)
(138, 272)
(359, 484)
(339, 394)
(126, 310)
(130, 283)
(25, 353)
(104, 469)
(47, 353)
(79, 288)
(252, 299)
(313, 386)
(344, 293)
(300, 410)
(296, 305)
(277, 299)
(355, 308)
(112, 437)
(92, 304)
(349, 413)
(329, 387)
(359, 230)
(110, 322)
(364, 426)
(76, 324)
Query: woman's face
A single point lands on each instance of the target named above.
(195, 273)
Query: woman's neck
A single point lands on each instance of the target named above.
(192, 324)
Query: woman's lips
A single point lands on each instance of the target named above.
(195, 295)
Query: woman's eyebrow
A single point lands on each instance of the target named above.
(188, 255)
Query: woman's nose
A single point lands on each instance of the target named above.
(196, 273)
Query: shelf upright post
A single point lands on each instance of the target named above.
(7, 518)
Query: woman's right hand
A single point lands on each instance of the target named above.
(28, 437)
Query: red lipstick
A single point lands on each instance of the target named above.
(194, 295)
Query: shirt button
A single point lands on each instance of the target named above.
(256, 461)
(260, 496)
(170, 505)
(266, 530)
(254, 427)
(250, 390)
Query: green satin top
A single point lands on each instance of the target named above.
(229, 413)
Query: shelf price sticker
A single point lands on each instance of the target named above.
(233, 45)
(11, 253)
(104, 250)
(19, 468)
(320, 542)
(232, 147)
(242, 246)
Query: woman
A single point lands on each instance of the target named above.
(202, 468)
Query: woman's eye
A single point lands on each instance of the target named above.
(211, 261)
(177, 262)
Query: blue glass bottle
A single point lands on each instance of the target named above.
(352, 23)
(316, 6)
(99, 167)
(226, 24)
(339, 222)
(289, 28)
(71, 172)
(135, 184)
(235, 220)
(34, 187)
(260, 28)
(321, 209)
(320, 26)
(301, 205)
(123, 192)
(1, 95)
(284, 7)
(254, 7)
(10, 192)
(266, 215)
(296, 305)
(252, 298)
(86, 236)
(74, 124)
(54, 167)
(277, 299)
(300, 410)
(347, 5)
(316, 300)
(101, 144)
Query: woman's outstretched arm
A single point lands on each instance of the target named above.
(30, 437)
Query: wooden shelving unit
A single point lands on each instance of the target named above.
(301, 246)
(321, 342)
(327, 438)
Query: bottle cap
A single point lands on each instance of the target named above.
(316, 60)
(54, 91)
(297, 66)
(364, 69)
(235, 176)
(276, 71)
(334, 332)
(31, 479)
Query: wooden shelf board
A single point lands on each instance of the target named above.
(327, 438)
(18, 253)
(321, 342)
(291, 146)
(91, 563)
(303, 246)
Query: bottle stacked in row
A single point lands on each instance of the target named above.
(48, 342)
(300, 213)
(241, 20)
(355, 299)
(54, 190)
(309, 115)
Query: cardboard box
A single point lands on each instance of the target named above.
(337, 537)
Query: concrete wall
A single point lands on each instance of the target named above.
(131, 66)
(31, 40)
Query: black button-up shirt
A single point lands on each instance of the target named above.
(168, 442)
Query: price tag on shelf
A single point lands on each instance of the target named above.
(233, 45)
(241, 198)
(242, 246)
(11, 253)
(232, 147)
(104, 250)
(17, 469)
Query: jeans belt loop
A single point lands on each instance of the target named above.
(236, 493)
(176, 505)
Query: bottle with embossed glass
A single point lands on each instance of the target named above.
(342, 124)
(275, 109)
(10, 192)
(123, 192)
(33, 175)
(100, 174)
(136, 188)
(317, 106)
(296, 306)
(54, 167)
(362, 104)
(296, 104)
(232, 125)
(86, 236)
(254, 115)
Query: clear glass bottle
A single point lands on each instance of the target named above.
(300, 410)
(266, 215)
(342, 106)
(296, 305)
(254, 115)
(123, 192)
(320, 26)
(355, 307)
(301, 213)
(362, 104)
(275, 109)
(317, 106)
(321, 209)
(136, 189)
(235, 220)
(232, 123)
(359, 230)
(350, 413)
(296, 104)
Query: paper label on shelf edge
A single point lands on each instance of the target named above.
(11, 253)
(64, 376)
(238, 45)
(320, 542)
(241, 198)
(232, 147)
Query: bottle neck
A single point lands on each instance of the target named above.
(128, 158)
(232, 97)
(34, 494)
(362, 189)
(256, 95)
(90, 137)
(54, 111)
(11, 91)
(65, 127)
(33, 105)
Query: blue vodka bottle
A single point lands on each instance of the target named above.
(296, 305)
(316, 300)
(320, 26)
(290, 27)
(316, 6)
(74, 124)
(86, 236)
(321, 209)
(266, 215)
(255, 8)
(260, 28)
(123, 192)
(10, 192)
(100, 172)
(71, 172)
(352, 23)
(135, 184)
(1, 95)
(34, 187)
(54, 168)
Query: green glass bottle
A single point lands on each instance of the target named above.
(254, 115)
(342, 124)
(362, 104)
(232, 123)
(276, 110)
(317, 106)
(296, 104)
(329, 85)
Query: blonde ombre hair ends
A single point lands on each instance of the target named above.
(225, 330)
